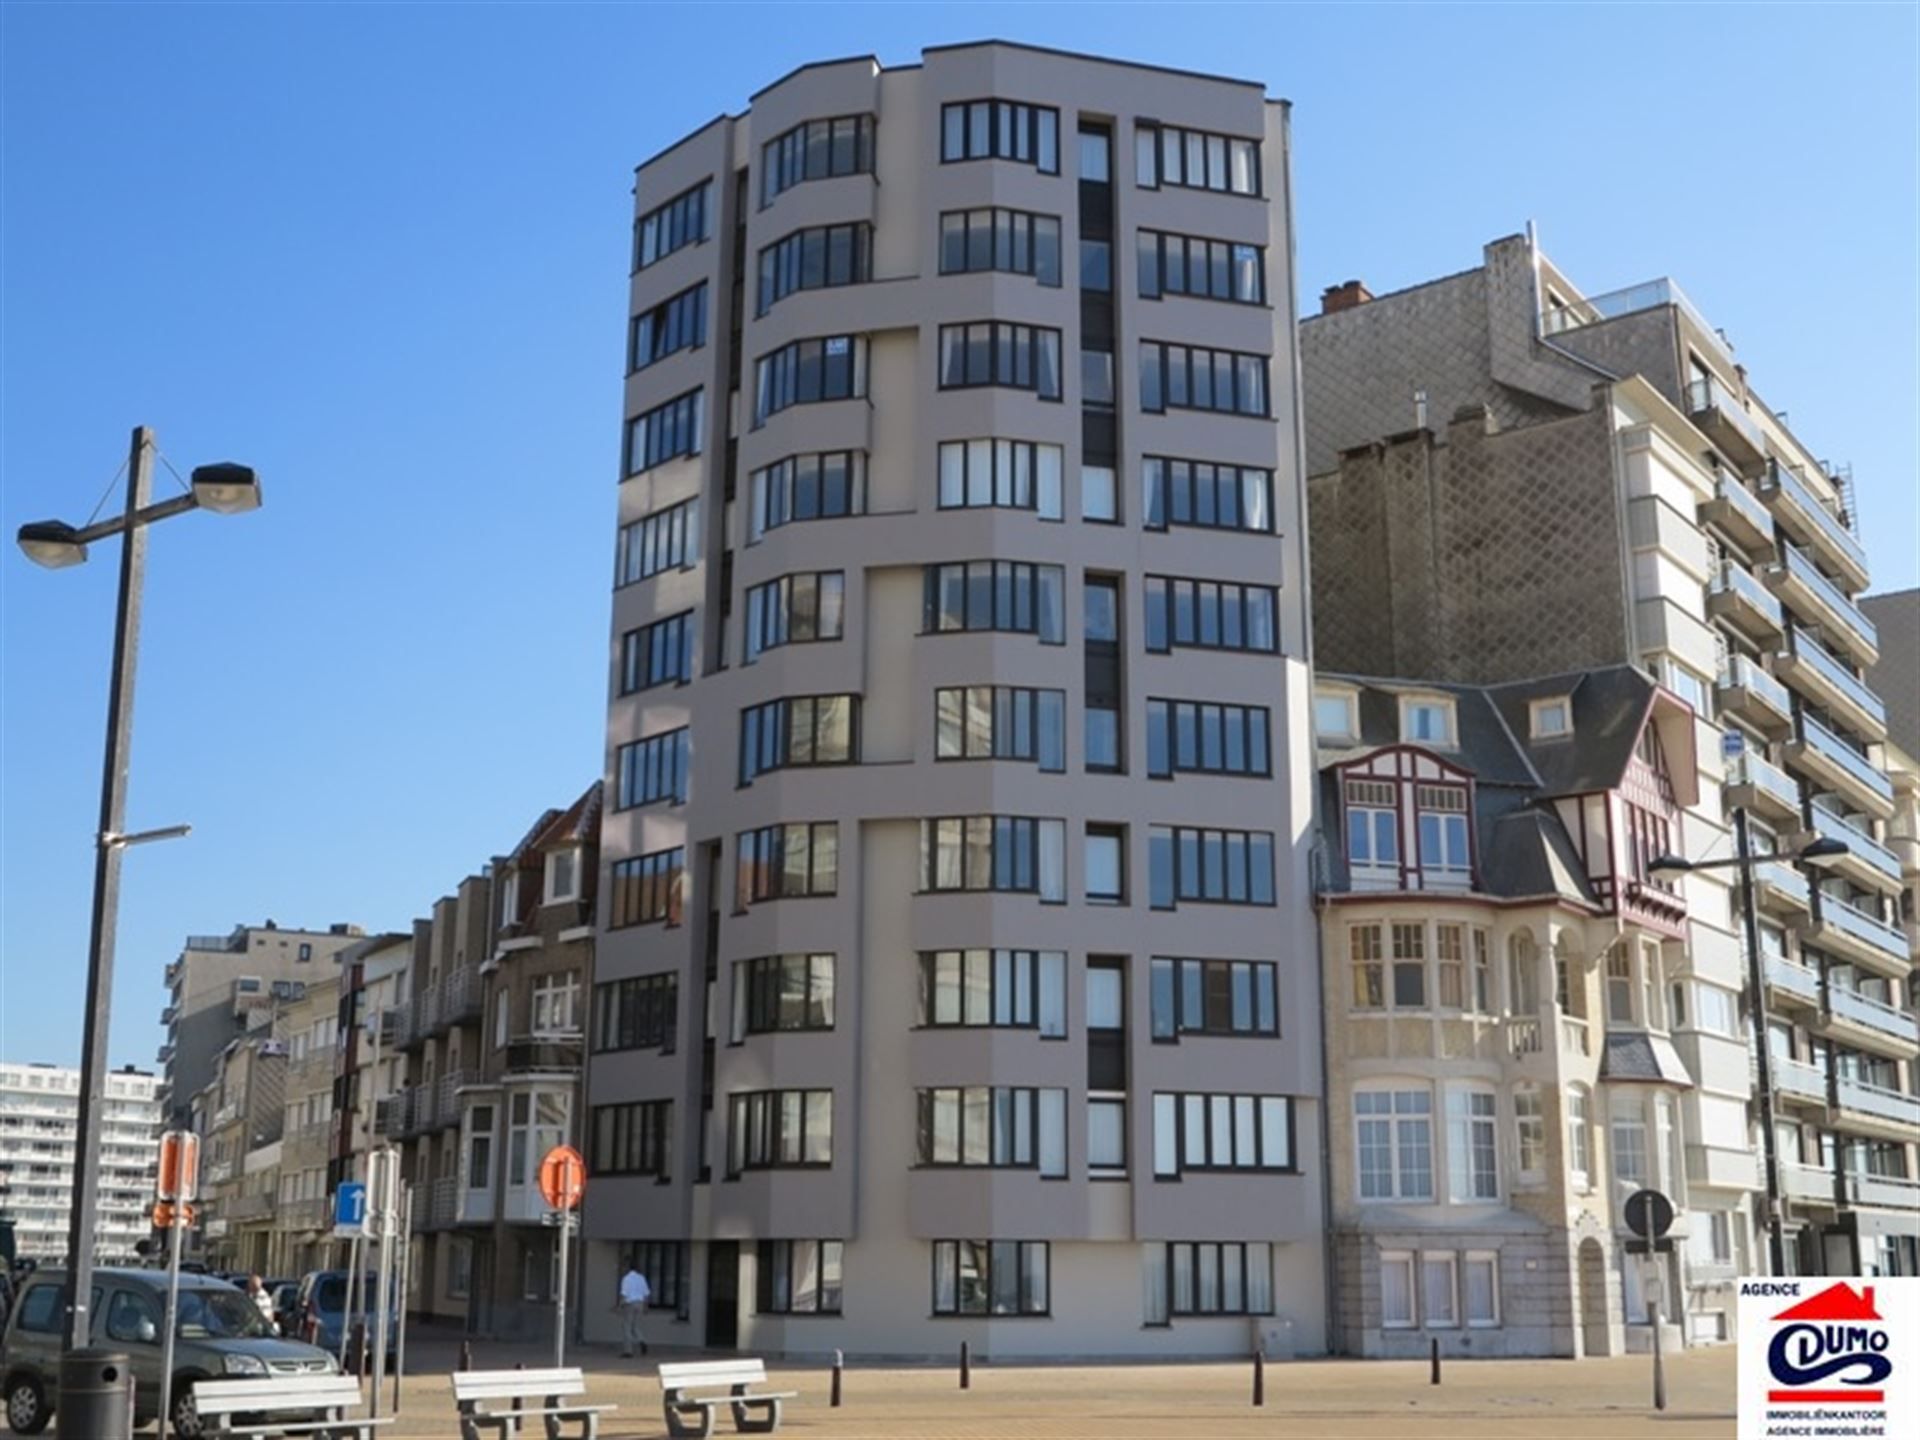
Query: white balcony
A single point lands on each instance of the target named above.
(1854, 935)
(1867, 863)
(1797, 1080)
(1883, 1192)
(1817, 600)
(1746, 690)
(1876, 1110)
(1835, 765)
(1802, 515)
(1721, 417)
(1793, 984)
(1737, 597)
(1873, 1024)
(1806, 1184)
(1823, 679)
(1739, 512)
(1779, 889)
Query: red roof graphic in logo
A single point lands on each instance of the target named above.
(1836, 1302)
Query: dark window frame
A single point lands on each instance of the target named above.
(770, 731)
(760, 863)
(800, 372)
(1026, 1304)
(833, 485)
(667, 539)
(1010, 355)
(657, 653)
(995, 129)
(1164, 755)
(748, 1150)
(1018, 248)
(1003, 991)
(641, 1012)
(1170, 845)
(1169, 479)
(1153, 270)
(788, 159)
(686, 220)
(1189, 982)
(774, 612)
(632, 1138)
(671, 430)
(1219, 615)
(1183, 155)
(1164, 361)
(1005, 723)
(760, 994)
(649, 771)
(648, 889)
(777, 1261)
(677, 323)
(1010, 592)
(805, 259)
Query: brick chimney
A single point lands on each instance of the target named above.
(1344, 297)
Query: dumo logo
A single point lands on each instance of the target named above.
(1836, 1335)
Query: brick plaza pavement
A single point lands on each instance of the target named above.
(1306, 1400)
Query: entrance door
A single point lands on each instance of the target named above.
(723, 1294)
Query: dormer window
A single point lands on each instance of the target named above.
(509, 898)
(1552, 718)
(563, 875)
(1373, 837)
(1446, 857)
(1333, 715)
(1427, 720)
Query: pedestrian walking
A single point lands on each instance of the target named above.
(634, 1295)
(262, 1301)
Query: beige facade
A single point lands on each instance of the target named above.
(832, 1136)
(239, 1116)
(301, 1219)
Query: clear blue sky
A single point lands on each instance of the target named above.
(381, 254)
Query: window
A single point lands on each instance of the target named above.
(994, 852)
(1211, 615)
(640, 1013)
(1530, 1131)
(556, 1001)
(1230, 867)
(1619, 986)
(1015, 241)
(1096, 393)
(657, 654)
(1106, 865)
(682, 221)
(1006, 1127)
(1551, 719)
(1008, 474)
(665, 432)
(665, 540)
(1200, 737)
(1221, 1132)
(1001, 130)
(648, 888)
(652, 770)
(1101, 673)
(1196, 159)
(1628, 1133)
(1213, 997)
(1369, 967)
(1482, 973)
(821, 486)
(633, 1139)
(779, 1129)
(664, 1263)
(1429, 722)
(1473, 1146)
(1001, 722)
(785, 862)
(1106, 1135)
(994, 352)
(798, 1277)
(304, 953)
(1333, 716)
(1450, 965)
(997, 595)
(676, 323)
(1396, 1289)
(480, 1147)
(1193, 377)
(1439, 1297)
(782, 992)
(820, 257)
(1373, 825)
(1715, 1009)
(1209, 269)
(799, 731)
(1393, 1132)
(1446, 854)
(1018, 989)
(130, 1317)
(807, 372)
(795, 610)
(1579, 1144)
(1205, 494)
(1099, 486)
(817, 150)
(990, 1277)
(1208, 1278)
(563, 875)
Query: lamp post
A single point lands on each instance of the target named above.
(225, 489)
(1818, 852)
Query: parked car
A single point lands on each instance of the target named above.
(219, 1333)
(323, 1297)
(286, 1306)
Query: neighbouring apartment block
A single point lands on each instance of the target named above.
(39, 1114)
(1511, 478)
(955, 975)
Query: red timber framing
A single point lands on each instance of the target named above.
(1398, 773)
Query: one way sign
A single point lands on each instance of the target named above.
(350, 1209)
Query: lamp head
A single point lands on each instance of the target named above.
(226, 488)
(1666, 867)
(1823, 852)
(52, 543)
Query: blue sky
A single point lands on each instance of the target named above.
(380, 252)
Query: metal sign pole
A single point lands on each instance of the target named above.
(353, 1285)
(1654, 1284)
(560, 1295)
(170, 1317)
(383, 1168)
(401, 1280)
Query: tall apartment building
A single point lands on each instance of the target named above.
(1501, 1026)
(239, 1116)
(39, 1110)
(1512, 477)
(493, 1032)
(959, 701)
(213, 987)
(370, 1065)
(308, 1032)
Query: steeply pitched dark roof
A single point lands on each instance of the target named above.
(1609, 709)
(1527, 855)
(1485, 746)
(1634, 1057)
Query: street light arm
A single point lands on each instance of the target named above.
(146, 515)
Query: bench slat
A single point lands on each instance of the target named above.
(716, 1372)
(289, 1393)
(496, 1389)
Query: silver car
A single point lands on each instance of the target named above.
(220, 1334)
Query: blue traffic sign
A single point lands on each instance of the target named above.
(350, 1205)
(1732, 744)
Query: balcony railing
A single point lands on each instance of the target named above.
(1806, 1183)
(235, 942)
(1648, 295)
(545, 1052)
(1774, 706)
(1887, 1192)
(1796, 980)
(1523, 1036)
(1873, 1014)
(1878, 1101)
(1870, 851)
(443, 1201)
(1739, 511)
(1835, 609)
(1823, 744)
(1780, 883)
(1809, 519)
(1576, 1035)
(1867, 929)
(1772, 788)
(1719, 412)
(1758, 606)
(1848, 687)
(1797, 1077)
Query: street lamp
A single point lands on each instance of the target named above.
(225, 489)
(1819, 853)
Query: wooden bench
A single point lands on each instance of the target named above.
(313, 1406)
(693, 1415)
(501, 1399)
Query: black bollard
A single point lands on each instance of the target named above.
(1259, 1378)
(966, 1366)
(1436, 1361)
(839, 1366)
(358, 1345)
(518, 1365)
(466, 1355)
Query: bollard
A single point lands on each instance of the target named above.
(357, 1346)
(518, 1365)
(1659, 1366)
(466, 1355)
(839, 1366)
(95, 1391)
(1435, 1379)
(1259, 1378)
(966, 1366)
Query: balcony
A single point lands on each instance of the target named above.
(1816, 599)
(1825, 681)
(442, 1202)
(1876, 1110)
(1882, 1192)
(1751, 693)
(1873, 1024)
(446, 1105)
(391, 1115)
(1524, 1036)
(247, 1207)
(1807, 1184)
(1763, 787)
(1839, 767)
(1854, 935)
(1797, 1080)
(1795, 984)
(1576, 1036)
(1724, 420)
(1735, 596)
(303, 1215)
(234, 942)
(1738, 511)
(1803, 516)
(1867, 863)
(545, 1054)
(1779, 889)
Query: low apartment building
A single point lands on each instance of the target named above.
(39, 1115)
(239, 1116)
(1499, 1021)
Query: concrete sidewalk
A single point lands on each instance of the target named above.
(1336, 1399)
